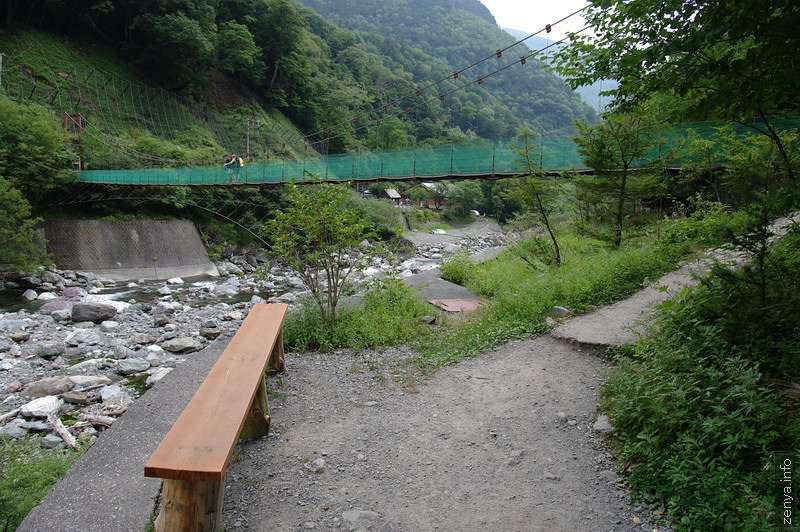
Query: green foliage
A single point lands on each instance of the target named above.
(383, 215)
(422, 218)
(431, 39)
(463, 197)
(521, 302)
(27, 473)
(34, 157)
(20, 245)
(389, 315)
(319, 235)
(693, 415)
(457, 268)
(535, 194)
(729, 60)
(613, 150)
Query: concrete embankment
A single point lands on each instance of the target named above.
(134, 249)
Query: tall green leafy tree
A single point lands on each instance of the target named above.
(319, 236)
(732, 60)
(614, 150)
(34, 154)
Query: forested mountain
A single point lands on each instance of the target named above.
(461, 32)
(351, 83)
(589, 93)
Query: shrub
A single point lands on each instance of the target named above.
(695, 420)
(457, 268)
(387, 315)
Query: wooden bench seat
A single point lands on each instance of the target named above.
(231, 403)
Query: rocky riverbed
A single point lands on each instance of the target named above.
(92, 346)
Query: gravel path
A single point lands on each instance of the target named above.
(500, 442)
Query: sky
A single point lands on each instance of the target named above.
(532, 15)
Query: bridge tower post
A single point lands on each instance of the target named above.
(67, 121)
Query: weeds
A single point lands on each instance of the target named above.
(27, 473)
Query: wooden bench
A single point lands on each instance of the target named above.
(231, 403)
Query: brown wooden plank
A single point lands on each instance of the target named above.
(200, 443)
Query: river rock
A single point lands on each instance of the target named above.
(61, 315)
(51, 441)
(51, 277)
(36, 426)
(20, 337)
(159, 374)
(165, 290)
(83, 336)
(87, 381)
(602, 424)
(560, 311)
(30, 282)
(29, 295)
(50, 350)
(41, 407)
(184, 345)
(13, 429)
(73, 293)
(108, 392)
(49, 386)
(94, 312)
(47, 296)
(130, 366)
(75, 398)
(210, 333)
(109, 326)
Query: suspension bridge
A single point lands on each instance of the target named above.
(483, 159)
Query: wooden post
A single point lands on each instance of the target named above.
(188, 505)
(276, 360)
(256, 424)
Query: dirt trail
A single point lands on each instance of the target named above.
(499, 442)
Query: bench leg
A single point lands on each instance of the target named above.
(276, 360)
(256, 425)
(187, 505)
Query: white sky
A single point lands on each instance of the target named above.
(533, 15)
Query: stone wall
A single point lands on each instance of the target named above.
(120, 250)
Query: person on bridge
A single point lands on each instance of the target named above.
(228, 164)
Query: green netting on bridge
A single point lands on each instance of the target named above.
(474, 159)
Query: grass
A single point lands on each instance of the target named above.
(27, 472)
(522, 298)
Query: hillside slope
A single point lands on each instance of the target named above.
(461, 32)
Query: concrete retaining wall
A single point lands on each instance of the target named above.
(121, 250)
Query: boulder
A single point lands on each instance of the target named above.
(49, 386)
(73, 293)
(175, 280)
(130, 366)
(61, 315)
(87, 381)
(159, 374)
(41, 407)
(50, 350)
(183, 345)
(83, 336)
(47, 296)
(29, 295)
(94, 312)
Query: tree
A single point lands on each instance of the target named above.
(731, 60)
(238, 52)
(533, 192)
(464, 197)
(34, 157)
(319, 236)
(19, 246)
(613, 150)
